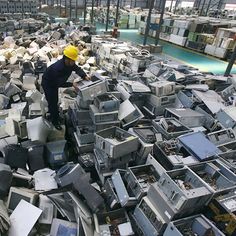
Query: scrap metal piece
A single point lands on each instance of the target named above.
(113, 223)
(174, 193)
(186, 116)
(88, 90)
(170, 127)
(192, 226)
(110, 194)
(221, 137)
(147, 134)
(162, 88)
(116, 142)
(211, 99)
(107, 103)
(129, 113)
(100, 117)
(219, 178)
(148, 219)
(139, 179)
(126, 198)
(227, 117)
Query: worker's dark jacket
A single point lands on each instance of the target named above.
(55, 77)
(58, 73)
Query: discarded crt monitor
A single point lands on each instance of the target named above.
(56, 153)
(27, 67)
(17, 194)
(75, 175)
(40, 67)
(6, 178)
(15, 156)
(69, 173)
(35, 155)
(38, 129)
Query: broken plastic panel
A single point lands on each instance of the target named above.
(194, 225)
(199, 146)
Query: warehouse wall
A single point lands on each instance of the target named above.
(134, 3)
(199, 3)
(230, 6)
(18, 6)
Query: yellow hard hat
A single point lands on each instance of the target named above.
(71, 52)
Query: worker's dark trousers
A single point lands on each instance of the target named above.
(51, 94)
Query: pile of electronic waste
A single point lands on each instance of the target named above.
(147, 147)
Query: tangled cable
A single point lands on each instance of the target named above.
(137, 53)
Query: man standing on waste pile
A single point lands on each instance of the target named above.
(56, 76)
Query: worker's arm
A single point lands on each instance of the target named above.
(66, 85)
(80, 72)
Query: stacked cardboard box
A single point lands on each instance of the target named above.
(196, 39)
(127, 18)
(201, 34)
(123, 21)
(180, 32)
(132, 21)
(223, 43)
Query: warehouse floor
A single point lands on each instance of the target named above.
(202, 62)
